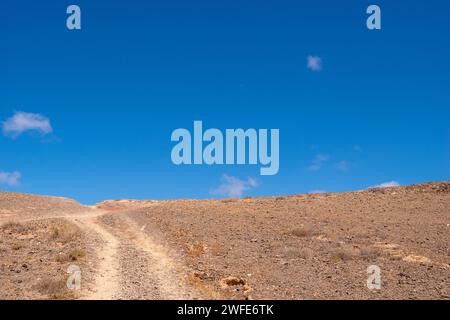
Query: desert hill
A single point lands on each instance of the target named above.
(315, 246)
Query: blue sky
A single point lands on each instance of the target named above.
(378, 109)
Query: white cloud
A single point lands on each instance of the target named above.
(342, 165)
(252, 182)
(233, 187)
(314, 63)
(389, 184)
(23, 121)
(10, 178)
(318, 162)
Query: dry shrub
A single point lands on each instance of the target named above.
(395, 257)
(179, 232)
(208, 290)
(229, 200)
(73, 255)
(17, 246)
(304, 231)
(54, 288)
(369, 253)
(14, 227)
(444, 187)
(236, 287)
(343, 254)
(64, 232)
(76, 254)
(195, 250)
(232, 282)
(299, 253)
(217, 250)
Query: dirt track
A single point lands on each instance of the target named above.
(131, 265)
(128, 265)
(296, 247)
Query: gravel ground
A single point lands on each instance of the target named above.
(316, 246)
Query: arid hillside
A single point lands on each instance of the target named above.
(37, 244)
(19, 205)
(312, 246)
(315, 246)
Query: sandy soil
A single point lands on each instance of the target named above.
(295, 247)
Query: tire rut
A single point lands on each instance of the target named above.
(130, 265)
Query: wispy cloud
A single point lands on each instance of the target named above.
(233, 187)
(21, 122)
(10, 178)
(318, 162)
(357, 148)
(342, 165)
(316, 191)
(314, 63)
(389, 184)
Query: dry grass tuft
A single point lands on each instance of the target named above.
(195, 250)
(207, 289)
(73, 255)
(299, 253)
(304, 231)
(217, 250)
(14, 227)
(369, 253)
(229, 200)
(343, 254)
(17, 245)
(54, 288)
(64, 232)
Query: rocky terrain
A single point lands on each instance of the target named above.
(315, 246)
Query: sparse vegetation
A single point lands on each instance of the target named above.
(228, 200)
(304, 231)
(17, 245)
(343, 254)
(231, 282)
(299, 253)
(73, 255)
(54, 288)
(76, 254)
(369, 253)
(217, 250)
(14, 227)
(64, 232)
(195, 250)
(26, 250)
(207, 289)
(291, 247)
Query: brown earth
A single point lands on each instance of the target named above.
(315, 246)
